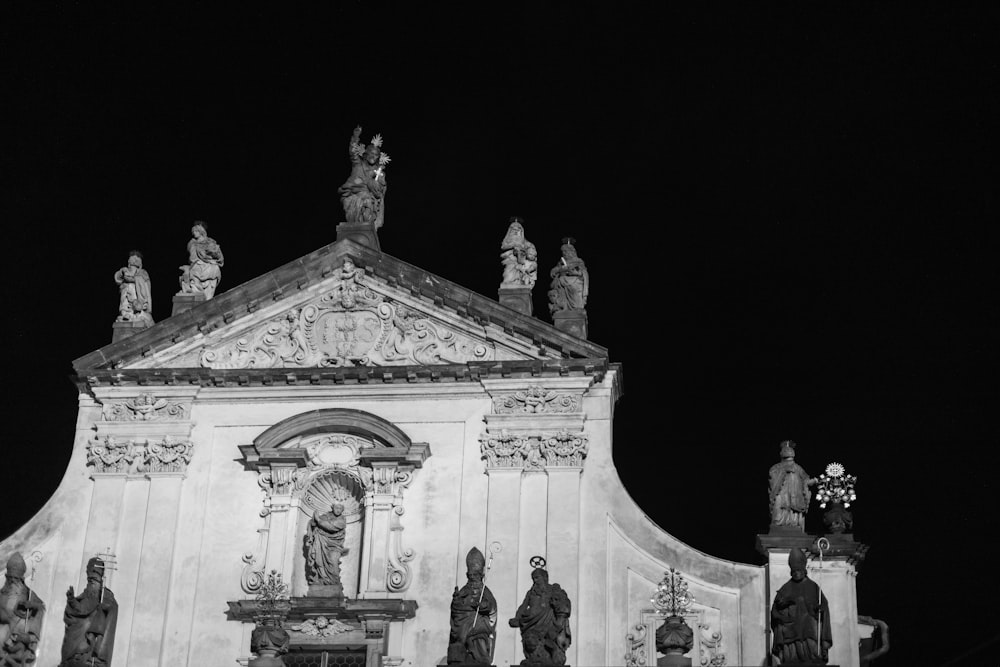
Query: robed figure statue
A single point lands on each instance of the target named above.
(788, 486)
(800, 617)
(363, 193)
(543, 618)
(21, 614)
(324, 547)
(202, 273)
(473, 617)
(570, 284)
(135, 296)
(90, 622)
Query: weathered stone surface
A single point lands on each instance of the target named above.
(202, 273)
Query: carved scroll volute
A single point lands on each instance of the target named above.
(385, 499)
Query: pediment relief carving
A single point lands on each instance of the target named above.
(350, 325)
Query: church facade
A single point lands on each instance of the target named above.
(352, 404)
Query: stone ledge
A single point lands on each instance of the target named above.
(338, 608)
(468, 372)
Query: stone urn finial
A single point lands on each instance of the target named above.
(269, 640)
(675, 637)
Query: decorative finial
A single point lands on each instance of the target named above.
(672, 597)
(836, 486)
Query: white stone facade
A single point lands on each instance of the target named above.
(198, 489)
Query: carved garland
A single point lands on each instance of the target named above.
(349, 326)
(536, 400)
(138, 456)
(534, 452)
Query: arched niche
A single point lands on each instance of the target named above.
(301, 463)
(316, 492)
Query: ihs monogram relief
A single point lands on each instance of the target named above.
(536, 400)
(144, 407)
(349, 326)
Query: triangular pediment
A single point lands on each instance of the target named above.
(343, 306)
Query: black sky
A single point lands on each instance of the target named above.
(787, 210)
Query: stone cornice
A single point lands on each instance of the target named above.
(88, 379)
(341, 609)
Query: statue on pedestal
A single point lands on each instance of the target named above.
(473, 616)
(570, 281)
(363, 193)
(518, 257)
(135, 303)
(90, 620)
(789, 490)
(543, 618)
(202, 273)
(324, 547)
(800, 617)
(21, 613)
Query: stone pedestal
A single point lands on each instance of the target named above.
(121, 330)
(573, 322)
(187, 301)
(326, 591)
(363, 233)
(673, 660)
(517, 298)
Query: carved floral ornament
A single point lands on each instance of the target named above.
(349, 326)
(138, 456)
(536, 400)
(533, 452)
(144, 407)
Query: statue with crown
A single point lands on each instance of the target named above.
(21, 613)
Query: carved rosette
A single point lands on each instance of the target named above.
(536, 400)
(351, 325)
(533, 451)
(137, 457)
(145, 407)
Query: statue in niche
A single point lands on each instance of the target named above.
(800, 617)
(21, 613)
(543, 618)
(518, 257)
(473, 616)
(202, 273)
(789, 490)
(90, 620)
(135, 303)
(324, 547)
(570, 281)
(363, 193)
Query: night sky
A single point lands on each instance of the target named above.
(788, 215)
